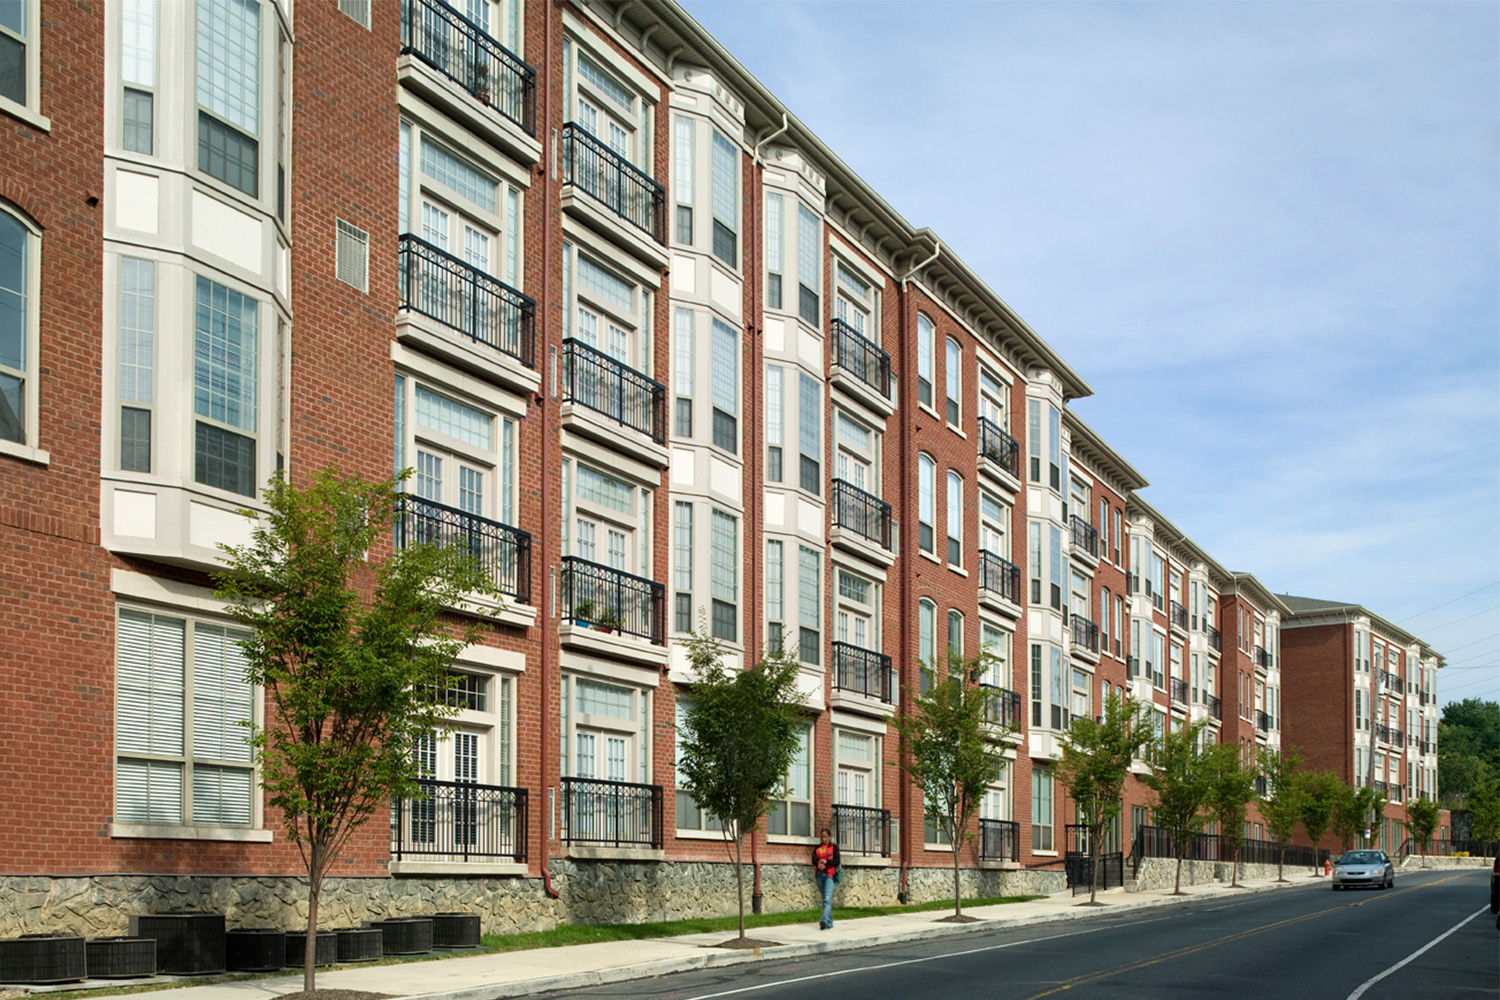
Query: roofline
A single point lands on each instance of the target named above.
(1350, 611)
(1157, 517)
(1263, 592)
(1133, 480)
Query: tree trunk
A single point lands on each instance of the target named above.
(739, 879)
(1280, 858)
(958, 898)
(317, 862)
(1177, 884)
(1093, 862)
(1234, 866)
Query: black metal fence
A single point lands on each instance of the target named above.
(1080, 871)
(1262, 656)
(999, 447)
(503, 552)
(1179, 690)
(607, 599)
(1215, 707)
(861, 830)
(1003, 707)
(461, 821)
(1085, 535)
(616, 813)
(999, 575)
(863, 671)
(1450, 848)
(1262, 720)
(437, 284)
(862, 513)
(1154, 842)
(1085, 633)
(861, 358)
(1215, 637)
(459, 49)
(1177, 613)
(999, 840)
(613, 181)
(594, 379)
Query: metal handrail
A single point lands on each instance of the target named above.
(861, 830)
(462, 51)
(863, 513)
(502, 551)
(1262, 656)
(999, 447)
(460, 820)
(617, 813)
(1177, 614)
(1179, 689)
(606, 598)
(861, 358)
(1086, 633)
(1085, 535)
(1215, 637)
(863, 671)
(1262, 720)
(1215, 706)
(999, 840)
(1003, 707)
(606, 385)
(999, 575)
(610, 179)
(433, 282)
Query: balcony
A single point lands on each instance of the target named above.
(631, 207)
(1003, 707)
(1393, 683)
(503, 552)
(1177, 616)
(611, 600)
(999, 453)
(1262, 721)
(1000, 583)
(1397, 792)
(863, 672)
(1085, 538)
(1215, 637)
(1179, 691)
(863, 521)
(480, 81)
(862, 831)
(459, 821)
(611, 813)
(1085, 635)
(619, 394)
(1132, 666)
(1262, 657)
(1389, 734)
(999, 840)
(1261, 784)
(868, 368)
(1215, 707)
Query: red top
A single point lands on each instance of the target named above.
(826, 856)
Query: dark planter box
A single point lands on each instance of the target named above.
(360, 944)
(255, 949)
(120, 957)
(455, 930)
(406, 935)
(42, 958)
(187, 944)
(325, 949)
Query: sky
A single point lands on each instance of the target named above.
(1267, 234)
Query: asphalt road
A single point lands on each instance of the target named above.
(1430, 937)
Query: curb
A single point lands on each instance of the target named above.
(714, 958)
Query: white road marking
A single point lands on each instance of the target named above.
(1375, 979)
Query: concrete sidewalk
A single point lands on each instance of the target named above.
(519, 973)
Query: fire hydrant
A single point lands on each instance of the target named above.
(1327, 866)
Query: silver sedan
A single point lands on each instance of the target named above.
(1364, 868)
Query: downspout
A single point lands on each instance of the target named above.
(546, 533)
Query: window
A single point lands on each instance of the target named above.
(690, 816)
(791, 808)
(854, 304)
(951, 383)
(725, 390)
(183, 754)
(1104, 619)
(609, 111)
(605, 519)
(809, 605)
(605, 737)
(682, 566)
(809, 266)
(462, 457)
(955, 633)
(1079, 704)
(810, 432)
(858, 779)
(1055, 576)
(682, 178)
(775, 595)
(775, 238)
(855, 453)
(924, 360)
(927, 643)
(1041, 809)
(936, 822)
(1038, 442)
(225, 383)
(137, 72)
(854, 611)
(610, 315)
(682, 372)
(20, 60)
(726, 187)
(994, 526)
(926, 503)
(995, 644)
(229, 92)
(137, 361)
(724, 560)
(1115, 536)
(1038, 693)
(955, 521)
(775, 423)
(1158, 659)
(992, 399)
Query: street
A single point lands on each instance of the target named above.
(1430, 937)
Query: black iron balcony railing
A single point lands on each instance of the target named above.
(1390, 734)
(861, 830)
(610, 179)
(1427, 746)
(1177, 613)
(1262, 721)
(1262, 656)
(1000, 576)
(503, 552)
(458, 295)
(615, 813)
(1085, 536)
(863, 671)
(607, 599)
(1393, 682)
(1003, 707)
(459, 49)
(1397, 792)
(860, 358)
(862, 513)
(999, 840)
(1215, 707)
(1179, 689)
(1261, 784)
(1085, 633)
(1215, 637)
(999, 447)
(594, 379)
(459, 820)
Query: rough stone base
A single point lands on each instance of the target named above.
(590, 892)
(1161, 873)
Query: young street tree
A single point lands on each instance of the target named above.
(1281, 804)
(1231, 786)
(1180, 780)
(952, 750)
(352, 651)
(739, 737)
(1421, 820)
(1320, 795)
(1095, 760)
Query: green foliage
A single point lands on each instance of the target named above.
(1468, 748)
(1421, 821)
(950, 749)
(1282, 804)
(1320, 795)
(1231, 786)
(1484, 812)
(1181, 779)
(351, 650)
(739, 738)
(1357, 812)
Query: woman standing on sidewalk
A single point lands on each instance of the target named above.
(826, 867)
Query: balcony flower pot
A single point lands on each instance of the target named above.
(360, 944)
(120, 957)
(42, 958)
(608, 621)
(584, 613)
(325, 948)
(254, 949)
(406, 935)
(187, 944)
(455, 930)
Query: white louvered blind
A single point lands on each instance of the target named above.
(149, 717)
(221, 713)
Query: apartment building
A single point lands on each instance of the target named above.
(649, 347)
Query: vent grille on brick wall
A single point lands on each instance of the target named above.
(353, 252)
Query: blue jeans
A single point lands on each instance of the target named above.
(825, 886)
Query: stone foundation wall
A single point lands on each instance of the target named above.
(1161, 873)
(590, 892)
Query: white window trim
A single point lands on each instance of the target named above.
(31, 111)
(30, 449)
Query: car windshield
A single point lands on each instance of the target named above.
(1361, 858)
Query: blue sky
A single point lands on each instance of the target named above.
(1268, 234)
